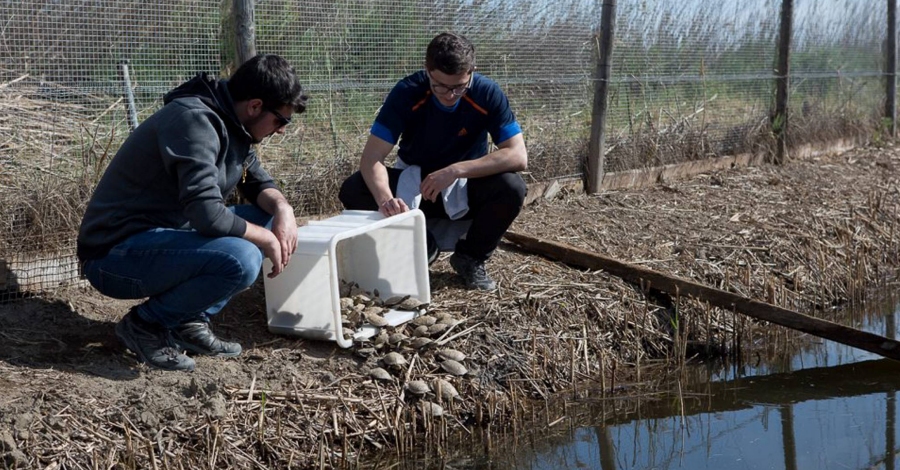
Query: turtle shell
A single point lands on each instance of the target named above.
(418, 387)
(453, 367)
(393, 359)
(431, 409)
(411, 304)
(378, 373)
(421, 342)
(453, 354)
(426, 320)
(437, 328)
(396, 338)
(393, 301)
(445, 390)
(376, 320)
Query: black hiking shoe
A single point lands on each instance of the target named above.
(196, 336)
(472, 272)
(151, 343)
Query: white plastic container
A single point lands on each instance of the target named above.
(388, 254)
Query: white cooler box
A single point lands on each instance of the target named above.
(388, 254)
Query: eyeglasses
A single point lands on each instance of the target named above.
(456, 91)
(282, 121)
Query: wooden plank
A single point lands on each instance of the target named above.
(648, 177)
(680, 287)
(642, 178)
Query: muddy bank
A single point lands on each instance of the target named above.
(810, 236)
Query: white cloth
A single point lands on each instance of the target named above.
(455, 196)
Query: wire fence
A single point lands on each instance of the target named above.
(690, 80)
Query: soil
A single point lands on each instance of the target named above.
(807, 235)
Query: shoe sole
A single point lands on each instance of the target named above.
(132, 346)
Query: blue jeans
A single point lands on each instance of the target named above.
(185, 275)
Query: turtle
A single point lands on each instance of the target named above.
(420, 342)
(424, 320)
(448, 320)
(437, 328)
(411, 304)
(393, 359)
(378, 373)
(431, 409)
(396, 338)
(418, 388)
(440, 316)
(373, 310)
(420, 330)
(453, 354)
(376, 320)
(445, 390)
(395, 300)
(345, 288)
(356, 290)
(380, 340)
(365, 352)
(453, 367)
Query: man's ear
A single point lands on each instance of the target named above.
(254, 107)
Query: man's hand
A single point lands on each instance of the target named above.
(434, 183)
(269, 244)
(280, 243)
(393, 206)
(284, 227)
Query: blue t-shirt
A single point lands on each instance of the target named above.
(434, 136)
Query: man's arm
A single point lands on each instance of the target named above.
(280, 243)
(510, 156)
(374, 172)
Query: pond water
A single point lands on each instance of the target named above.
(827, 407)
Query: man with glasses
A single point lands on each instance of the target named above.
(441, 117)
(157, 226)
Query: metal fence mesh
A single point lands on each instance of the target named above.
(690, 80)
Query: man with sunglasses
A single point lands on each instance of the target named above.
(441, 118)
(157, 225)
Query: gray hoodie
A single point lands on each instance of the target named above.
(175, 170)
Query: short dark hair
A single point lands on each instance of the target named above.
(450, 53)
(270, 78)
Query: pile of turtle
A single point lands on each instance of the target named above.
(390, 353)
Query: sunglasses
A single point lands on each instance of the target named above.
(282, 121)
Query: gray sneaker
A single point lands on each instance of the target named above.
(472, 272)
(151, 343)
(197, 337)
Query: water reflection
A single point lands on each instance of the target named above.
(830, 406)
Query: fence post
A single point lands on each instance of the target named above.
(130, 108)
(596, 146)
(890, 70)
(782, 82)
(244, 30)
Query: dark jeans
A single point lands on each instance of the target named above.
(185, 275)
(494, 203)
